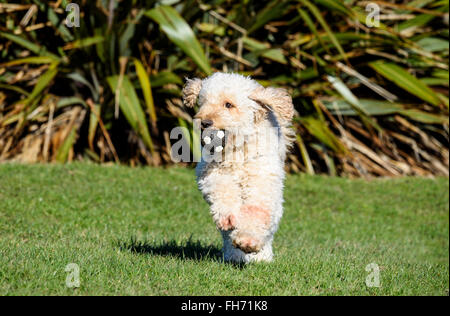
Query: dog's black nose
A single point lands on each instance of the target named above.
(207, 123)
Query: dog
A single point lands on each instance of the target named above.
(244, 189)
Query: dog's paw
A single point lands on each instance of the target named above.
(247, 244)
(227, 223)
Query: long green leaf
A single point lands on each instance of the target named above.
(315, 11)
(309, 22)
(323, 133)
(304, 152)
(264, 50)
(63, 151)
(43, 82)
(22, 42)
(336, 6)
(14, 88)
(37, 60)
(377, 108)
(274, 10)
(93, 123)
(38, 50)
(146, 89)
(348, 95)
(405, 80)
(85, 42)
(63, 102)
(181, 34)
(131, 108)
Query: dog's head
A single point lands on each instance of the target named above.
(232, 102)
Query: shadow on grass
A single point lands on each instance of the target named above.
(185, 250)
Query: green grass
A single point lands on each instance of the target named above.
(148, 232)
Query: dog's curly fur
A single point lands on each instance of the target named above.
(245, 196)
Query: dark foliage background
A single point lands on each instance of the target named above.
(369, 100)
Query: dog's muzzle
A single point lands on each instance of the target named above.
(213, 140)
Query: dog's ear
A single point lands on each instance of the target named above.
(190, 91)
(276, 99)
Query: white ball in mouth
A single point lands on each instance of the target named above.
(207, 140)
(220, 134)
(219, 149)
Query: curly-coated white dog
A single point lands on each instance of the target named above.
(245, 187)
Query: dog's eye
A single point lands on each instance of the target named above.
(228, 105)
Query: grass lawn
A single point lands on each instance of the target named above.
(147, 231)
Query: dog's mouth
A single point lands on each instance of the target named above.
(213, 140)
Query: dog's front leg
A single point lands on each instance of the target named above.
(260, 211)
(222, 192)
